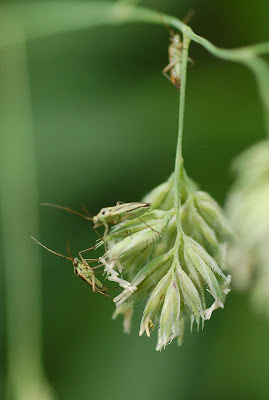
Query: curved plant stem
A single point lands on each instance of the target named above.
(41, 20)
(47, 19)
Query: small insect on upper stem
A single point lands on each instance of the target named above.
(175, 54)
(82, 269)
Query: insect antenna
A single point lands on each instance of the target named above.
(189, 16)
(170, 30)
(52, 251)
(84, 208)
(185, 20)
(67, 209)
(68, 248)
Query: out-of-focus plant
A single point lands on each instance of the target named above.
(171, 258)
(26, 379)
(248, 211)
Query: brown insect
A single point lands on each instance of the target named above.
(175, 55)
(83, 269)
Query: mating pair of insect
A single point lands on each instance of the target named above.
(107, 216)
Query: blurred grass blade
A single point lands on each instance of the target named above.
(129, 1)
(52, 18)
(19, 215)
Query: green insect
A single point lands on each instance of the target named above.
(111, 215)
(83, 269)
(119, 213)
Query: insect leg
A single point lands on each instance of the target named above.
(168, 68)
(94, 268)
(98, 272)
(104, 238)
(127, 233)
(82, 251)
(120, 202)
(111, 288)
(148, 225)
(93, 283)
(192, 62)
(90, 259)
(170, 65)
(165, 70)
(104, 292)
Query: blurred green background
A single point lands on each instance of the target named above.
(105, 126)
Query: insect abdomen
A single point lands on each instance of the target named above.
(98, 284)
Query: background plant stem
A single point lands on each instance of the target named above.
(19, 214)
(47, 19)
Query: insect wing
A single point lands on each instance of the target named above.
(118, 213)
(127, 208)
